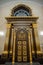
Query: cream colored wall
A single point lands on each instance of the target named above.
(5, 10)
(41, 28)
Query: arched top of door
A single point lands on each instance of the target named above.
(21, 10)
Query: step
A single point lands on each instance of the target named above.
(34, 63)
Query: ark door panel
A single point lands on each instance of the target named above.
(21, 51)
(21, 47)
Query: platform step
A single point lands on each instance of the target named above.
(22, 63)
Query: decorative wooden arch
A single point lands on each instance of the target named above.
(21, 6)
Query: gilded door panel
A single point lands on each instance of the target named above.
(21, 46)
(22, 51)
(19, 52)
(25, 52)
(24, 48)
(19, 42)
(24, 42)
(24, 58)
(19, 58)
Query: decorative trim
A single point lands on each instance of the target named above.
(25, 18)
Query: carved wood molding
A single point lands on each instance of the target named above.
(25, 18)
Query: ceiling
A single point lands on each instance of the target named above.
(37, 1)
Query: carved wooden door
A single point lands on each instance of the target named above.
(21, 46)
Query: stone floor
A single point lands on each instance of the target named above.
(21, 64)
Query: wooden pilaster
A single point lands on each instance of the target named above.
(14, 39)
(5, 53)
(36, 37)
(30, 50)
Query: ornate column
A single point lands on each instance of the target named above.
(11, 44)
(30, 49)
(36, 39)
(5, 53)
(14, 39)
(32, 45)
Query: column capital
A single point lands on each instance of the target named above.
(8, 25)
(34, 25)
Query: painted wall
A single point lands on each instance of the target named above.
(5, 10)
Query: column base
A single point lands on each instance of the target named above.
(4, 55)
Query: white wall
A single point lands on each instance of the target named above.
(5, 10)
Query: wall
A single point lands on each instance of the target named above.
(5, 10)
